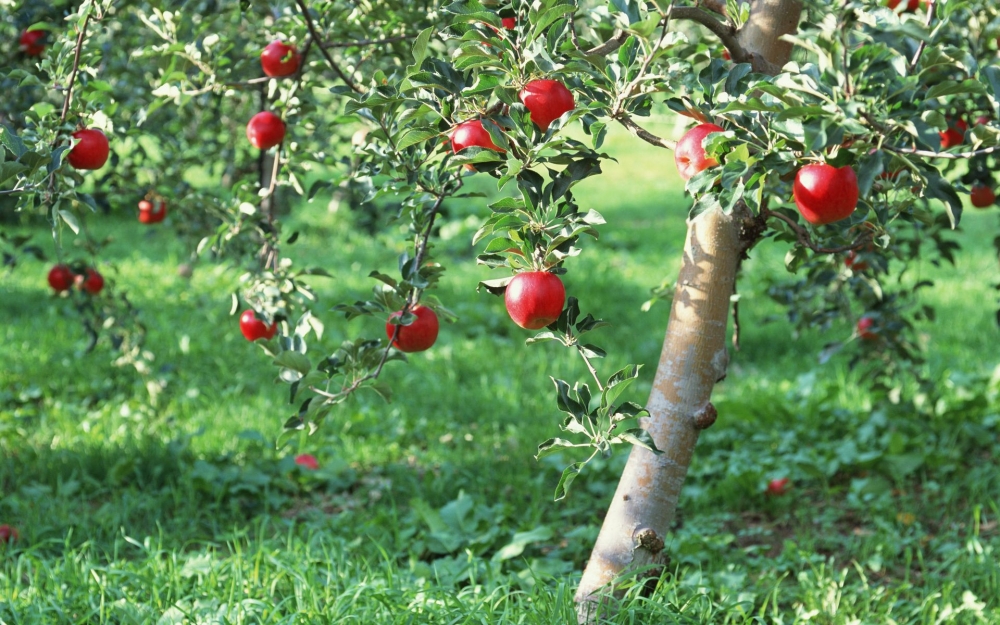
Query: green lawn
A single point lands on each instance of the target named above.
(431, 509)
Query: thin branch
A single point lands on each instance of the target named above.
(76, 68)
(329, 59)
(611, 45)
(634, 83)
(954, 156)
(802, 235)
(21, 190)
(590, 366)
(365, 42)
(923, 43)
(626, 120)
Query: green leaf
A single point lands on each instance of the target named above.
(295, 361)
(420, 49)
(569, 474)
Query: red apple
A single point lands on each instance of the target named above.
(471, 134)
(253, 328)
(32, 42)
(824, 193)
(777, 487)
(982, 195)
(983, 120)
(535, 299)
(864, 329)
(851, 261)
(91, 150)
(8, 534)
(93, 282)
(510, 23)
(726, 55)
(152, 212)
(955, 135)
(307, 461)
(61, 278)
(689, 155)
(265, 130)
(419, 335)
(279, 59)
(911, 5)
(546, 100)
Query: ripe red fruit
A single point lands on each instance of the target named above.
(911, 5)
(851, 261)
(982, 195)
(265, 130)
(61, 278)
(955, 135)
(91, 151)
(546, 100)
(864, 329)
(93, 282)
(419, 335)
(726, 55)
(253, 328)
(777, 487)
(279, 59)
(535, 299)
(471, 134)
(689, 155)
(510, 23)
(308, 461)
(8, 534)
(824, 193)
(31, 42)
(152, 212)
(983, 120)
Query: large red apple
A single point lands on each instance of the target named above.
(982, 195)
(91, 149)
(253, 328)
(955, 135)
(690, 155)
(61, 278)
(152, 212)
(471, 134)
(279, 59)
(417, 336)
(32, 42)
(535, 299)
(92, 282)
(824, 193)
(265, 130)
(546, 100)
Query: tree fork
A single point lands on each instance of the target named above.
(694, 358)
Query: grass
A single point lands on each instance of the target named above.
(431, 509)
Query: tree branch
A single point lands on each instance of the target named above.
(923, 42)
(802, 235)
(76, 68)
(954, 156)
(626, 120)
(609, 46)
(365, 42)
(717, 6)
(329, 59)
(725, 32)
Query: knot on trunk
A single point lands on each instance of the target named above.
(704, 418)
(649, 540)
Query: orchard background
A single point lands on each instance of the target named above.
(157, 467)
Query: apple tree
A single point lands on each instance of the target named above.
(846, 133)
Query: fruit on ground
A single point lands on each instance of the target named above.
(91, 149)
(535, 299)
(864, 328)
(185, 270)
(546, 100)
(253, 328)
(982, 195)
(472, 134)
(851, 261)
(279, 59)
(61, 278)
(32, 42)
(955, 135)
(777, 487)
(8, 534)
(824, 193)
(152, 212)
(265, 130)
(417, 336)
(689, 155)
(92, 282)
(307, 461)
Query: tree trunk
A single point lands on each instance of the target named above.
(693, 359)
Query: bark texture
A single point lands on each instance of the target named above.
(693, 359)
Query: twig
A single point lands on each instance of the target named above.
(365, 42)
(802, 235)
(923, 43)
(593, 371)
(954, 156)
(76, 68)
(611, 45)
(626, 120)
(329, 59)
(31, 187)
(631, 86)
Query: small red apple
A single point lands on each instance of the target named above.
(955, 135)
(419, 335)
(777, 487)
(32, 42)
(253, 328)
(851, 262)
(546, 100)
(265, 130)
(61, 278)
(535, 299)
(307, 461)
(8, 534)
(983, 120)
(279, 59)
(864, 329)
(152, 212)
(93, 282)
(982, 195)
(510, 23)
(824, 193)
(689, 155)
(91, 150)
(726, 55)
